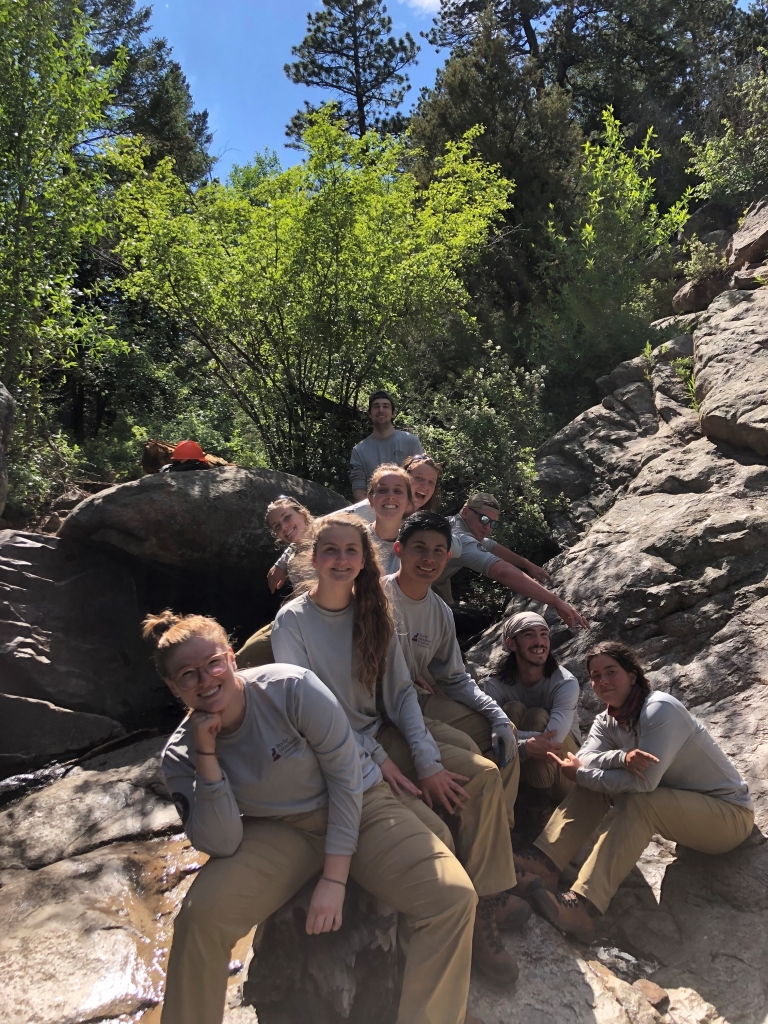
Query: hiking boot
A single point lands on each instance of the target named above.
(511, 912)
(568, 911)
(526, 883)
(532, 860)
(488, 953)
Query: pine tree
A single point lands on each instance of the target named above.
(348, 49)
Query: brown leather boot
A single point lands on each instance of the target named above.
(569, 912)
(511, 912)
(532, 860)
(488, 953)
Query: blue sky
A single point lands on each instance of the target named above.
(233, 53)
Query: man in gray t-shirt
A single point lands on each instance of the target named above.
(383, 444)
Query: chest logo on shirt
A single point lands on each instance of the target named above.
(286, 747)
(420, 639)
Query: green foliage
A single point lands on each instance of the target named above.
(683, 367)
(704, 260)
(597, 302)
(308, 288)
(348, 50)
(733, 165)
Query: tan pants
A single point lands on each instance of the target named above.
(701, 822)
(397, 859)
(478, 728)
(257, 649)
(540, 774)
(483, 844)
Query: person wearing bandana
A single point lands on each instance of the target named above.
(655, 764)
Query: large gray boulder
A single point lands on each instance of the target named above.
(731, 369)
(209, 522)
(750, 242)
(7, 411)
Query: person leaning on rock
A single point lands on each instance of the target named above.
(383, 444)
(474, 548)
(539, 696)
(271, 784)
(655, 763)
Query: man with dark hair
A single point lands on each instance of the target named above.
(474, 548)
(383, 444)
(427, 635)
(539, 696)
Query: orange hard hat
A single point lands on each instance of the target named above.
(186, 450)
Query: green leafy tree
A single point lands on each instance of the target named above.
(308, 287)
(348, 50)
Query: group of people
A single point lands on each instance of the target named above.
(348, 739)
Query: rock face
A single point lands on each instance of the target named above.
(209, 522)
(750, 243)
(697, 295)
(7, 410)
(731, 368)
(667, 549)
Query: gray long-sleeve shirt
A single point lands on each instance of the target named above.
(427, 636)
(294, 752)
(558, 694)
(372, 452)
(307, 635)
(467, 551)
(689, 758)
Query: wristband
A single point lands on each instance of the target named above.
(325, 878)
(207, 753)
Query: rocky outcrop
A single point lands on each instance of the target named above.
(697, 295)
(750, 242)
(7, 411)
(731, 368)
(209, 522)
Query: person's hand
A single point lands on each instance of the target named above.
(503, 742)
(637, 761)
(569, 615)
(539, 574)
(276, 577)
(537, 747)
(569, 767)
(205, 728)
(325, 907)
(444, 788)
(429, 687)
(397, 781)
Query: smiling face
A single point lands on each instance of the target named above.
(287, 524)
(381, 412)
(423, 557)
(201, 672)
(423, 483)
(389, 498)
(610, 681)
(473, 518)
(530, 645)
(338, 556)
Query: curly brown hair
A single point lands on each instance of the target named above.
(168, 631)
(426, 460)
(373, 628)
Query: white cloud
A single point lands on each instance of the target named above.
(423, 6)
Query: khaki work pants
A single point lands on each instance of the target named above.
(257, 649)
(398, 860)
(701, 822)
(541, 774)
(442, 709)
(483, 844)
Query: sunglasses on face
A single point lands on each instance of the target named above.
(486, 520)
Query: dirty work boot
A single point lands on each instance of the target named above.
(511, 912)
(569, 912)
(526, 883)
(532, 860)
(488, 953)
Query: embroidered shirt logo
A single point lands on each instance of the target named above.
(286, 747)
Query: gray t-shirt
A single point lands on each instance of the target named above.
(372, 452)
(299, 569)
(689, 758)
(364, 509)
(390, 563)
(558, 694)
(427, 636)
(293, 753)
(467, 551)
(307, 635)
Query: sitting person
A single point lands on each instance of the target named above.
(655, 763)
(384, 444)
(474, 548)
(289, 522)
(427, 634)
(425, 476)
(342, 630)
(271, 784)
(391, 499)
(539, 697)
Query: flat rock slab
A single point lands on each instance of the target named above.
(731, 369)
(210, 522)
